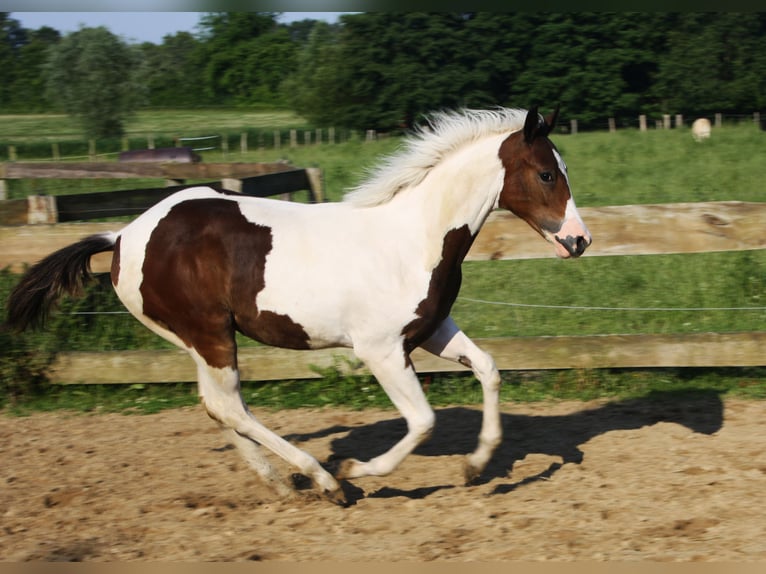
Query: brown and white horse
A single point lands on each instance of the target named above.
(377, 272)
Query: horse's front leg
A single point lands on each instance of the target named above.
(394, 372)
(449, 342)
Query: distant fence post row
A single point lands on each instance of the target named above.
(276, 139)
(667, 122)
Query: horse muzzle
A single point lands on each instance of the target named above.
(572, 238)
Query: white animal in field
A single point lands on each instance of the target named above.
(701, 129)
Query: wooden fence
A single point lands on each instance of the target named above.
(510, 353)
(257, 179)
(618, 230)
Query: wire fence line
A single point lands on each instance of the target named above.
(600, 308)
(201, 138)
(536, 306)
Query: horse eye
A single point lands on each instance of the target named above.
(546, 176)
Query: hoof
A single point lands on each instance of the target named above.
(342, 469)
(301, 481)
(471, 474)
(337, 497)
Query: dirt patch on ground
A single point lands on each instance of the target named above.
(673, 477)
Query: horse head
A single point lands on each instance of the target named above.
(536, 186)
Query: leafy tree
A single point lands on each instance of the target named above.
(314, 88)
(593, 64)
(90, 76)
(12, 38)
(224, 36)
(300, 30)
(258, 67)
(495, 48)
(715, 62)
(384, 70)
(171, 73)
(29, 85)
(393, 67)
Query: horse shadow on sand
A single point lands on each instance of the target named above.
(457, 429)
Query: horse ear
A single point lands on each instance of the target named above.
(531, 125)
(550, 121)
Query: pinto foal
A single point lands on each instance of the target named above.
(378, 272)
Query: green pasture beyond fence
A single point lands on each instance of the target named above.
(228, 145)
(230, 142)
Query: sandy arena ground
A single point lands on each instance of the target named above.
(677, 478)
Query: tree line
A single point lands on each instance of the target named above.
(385, 70)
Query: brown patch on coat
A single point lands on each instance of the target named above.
(541, 204)
(203, 268)
(443, 289)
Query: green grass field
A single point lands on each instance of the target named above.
(24, 128)
(627, 167)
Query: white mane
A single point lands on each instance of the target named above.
(427, 146)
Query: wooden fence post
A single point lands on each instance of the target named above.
(331, 135)
(243, 143)
(573, 127)
(666, 121)
(293, 138)
(718, 119)
(307, 138)
(232, 184)
(41, 209)
(149, 142)
(314, 175)
(757, 119)
(612, 125)
(642, 122)
(277, 139)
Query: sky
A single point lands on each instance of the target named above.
(137, 27)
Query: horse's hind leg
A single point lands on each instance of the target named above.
(449, 342)
(219, 389)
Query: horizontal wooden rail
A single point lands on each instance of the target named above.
(636, 230)
(617, 230)
(126, 170)
(533, 353)
(136, 201)
(266, 180)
